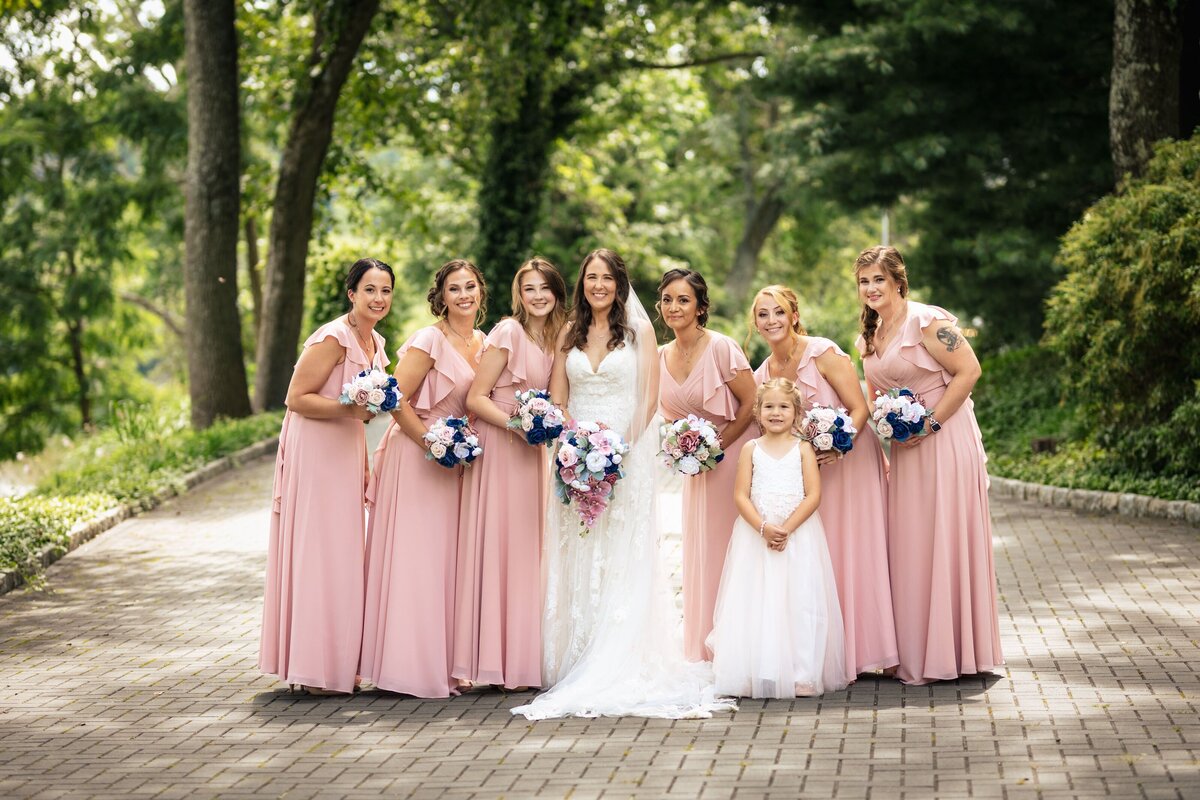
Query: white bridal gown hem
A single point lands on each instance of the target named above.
(612, 640)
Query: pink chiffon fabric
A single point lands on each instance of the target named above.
(498, 604)
(412, 539)
(708, 508)
(854, 510)
(313, 597)
(940, 546)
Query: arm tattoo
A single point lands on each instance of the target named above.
(950, 337)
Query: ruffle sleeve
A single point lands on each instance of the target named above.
(345, 337)
(439, 381)
(509, 335)
(911, 345)
(724, 361)
(807, 371)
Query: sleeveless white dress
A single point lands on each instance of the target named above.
(777, 628)
(611, 640)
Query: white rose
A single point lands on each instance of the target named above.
(885, 429)
(437, 449)
(375, 397)
(526, 422)
(823, 441)
(701, 454)
(462, 450)
(689, 465)
(380, 377)
(588, 427)
(596, 461)
(616, 458)
(477, 452)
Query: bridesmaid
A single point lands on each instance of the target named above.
(940, 544)
(498, 605)
(312, 605)
(853, 488)
(703, 373)
(413, 532)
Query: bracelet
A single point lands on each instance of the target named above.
(762, 527)
(934, 425)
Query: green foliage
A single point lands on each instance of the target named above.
(1126, 319)
(1022, 397)
(147, 451)
(987, 119)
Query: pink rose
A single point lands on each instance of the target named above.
(689, 441)
(360, 396)
(567, 474)
(568, 456)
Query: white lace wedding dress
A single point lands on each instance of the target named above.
(611, 635)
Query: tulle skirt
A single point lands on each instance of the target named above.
(777, 630)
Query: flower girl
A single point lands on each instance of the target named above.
(777, 628)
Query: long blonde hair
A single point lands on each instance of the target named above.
(558, 287)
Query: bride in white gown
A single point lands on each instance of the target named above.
(611, 642)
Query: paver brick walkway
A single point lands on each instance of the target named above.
(133, 675)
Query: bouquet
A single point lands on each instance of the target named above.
(587, 468)
(537, 418)
(690, 445)
(372, 389)
(829, 429)
(899, 414)
(452, 441)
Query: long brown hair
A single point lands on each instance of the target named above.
(892, 263)
(581, 310)
(558, 288)
(436, 293)
(786, 298)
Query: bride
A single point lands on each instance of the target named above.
(610, 633)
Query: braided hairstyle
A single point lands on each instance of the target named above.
(892, 263)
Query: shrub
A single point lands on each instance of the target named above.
(127, 464)
(1126, 319)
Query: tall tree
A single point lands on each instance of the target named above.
(1143, 103)
(986, 120)
(339, 27)
(216, 371)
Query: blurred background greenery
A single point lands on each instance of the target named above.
(754, 142)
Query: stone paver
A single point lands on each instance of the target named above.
(133, 675)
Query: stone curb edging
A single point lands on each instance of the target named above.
(1128, 505)
(89, 529)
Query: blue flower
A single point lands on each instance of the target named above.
(447, 460)
(454, 422)
(901, 432)
(842, 441)
(555, 432)
(537, 436)
(906, 393)
(538, 424)
(611, 468)
(389, 401)
(839, 423)
(893, 420)
(720, 457)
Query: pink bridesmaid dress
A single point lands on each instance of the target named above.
(708, 508)
(412, 539)
(313, 601)
(498, 605)
(854, 510)
(940, 529)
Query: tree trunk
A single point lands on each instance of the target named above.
(340, 29)
(75, 340)
(1143, 104)
(761, 219)
(253, 273)
(216, 369)
(511, 189)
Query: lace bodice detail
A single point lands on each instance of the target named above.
(607, 395)
(777, 485)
